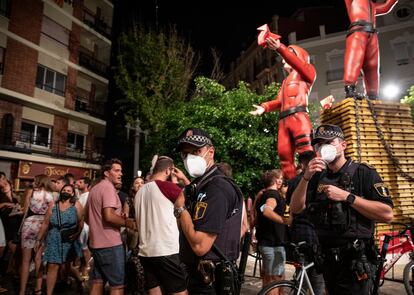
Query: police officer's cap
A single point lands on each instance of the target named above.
(194, 136)
(327, 132)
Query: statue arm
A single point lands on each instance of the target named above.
(385, 7)
(305, 70)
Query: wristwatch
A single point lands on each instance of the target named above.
(178, 211)
(350, 199)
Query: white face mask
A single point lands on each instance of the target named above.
(328, 153)
(195, 165)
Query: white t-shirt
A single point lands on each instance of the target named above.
(157, 226)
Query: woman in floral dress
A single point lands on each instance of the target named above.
(37, 202)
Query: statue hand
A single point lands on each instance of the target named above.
(258, 111)
(273, 43)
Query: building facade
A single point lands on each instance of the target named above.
(327, 49)
(53, 86)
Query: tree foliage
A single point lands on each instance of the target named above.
(246, 142)
(409, 99)
(154, 70)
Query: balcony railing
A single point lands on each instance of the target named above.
(93, 108)
(91, 63)
(335, 75)
(98, 24)
(27, 143)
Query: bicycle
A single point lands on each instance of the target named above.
(406, 246)
(294, 286)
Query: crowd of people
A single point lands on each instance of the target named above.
(176, 236)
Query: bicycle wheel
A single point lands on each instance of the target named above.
(284, 287)
(408, 277)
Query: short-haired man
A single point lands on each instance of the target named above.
(212, 216)
(158, 230)
(82, 185)
(104, 216)
(344, 200)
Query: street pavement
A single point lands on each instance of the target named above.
(251, 286)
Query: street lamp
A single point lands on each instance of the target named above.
(391, 91)
(138, 132)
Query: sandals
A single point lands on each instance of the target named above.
(2, 290)
(37, 292)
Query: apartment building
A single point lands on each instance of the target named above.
(54, 57)
(324, 38)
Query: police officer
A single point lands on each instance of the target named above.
(210, 214)
(343, 199)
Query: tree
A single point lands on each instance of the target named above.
(246, 142)
(154, 71)
(409, 99)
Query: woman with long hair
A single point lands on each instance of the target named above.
(37, 202)
(61, 228)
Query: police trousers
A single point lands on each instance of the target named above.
(341, 278)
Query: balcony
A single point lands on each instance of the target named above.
(23, 142)
(88, 61)
(334, 75)
(96, 23)
(93, 108)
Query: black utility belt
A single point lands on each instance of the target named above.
(294, 110)
(361, 26)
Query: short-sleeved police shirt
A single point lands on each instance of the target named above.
(212, 206)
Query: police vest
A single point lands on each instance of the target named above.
(338, 219)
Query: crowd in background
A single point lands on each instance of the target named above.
(31, 226)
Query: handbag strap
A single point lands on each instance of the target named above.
(58, 214)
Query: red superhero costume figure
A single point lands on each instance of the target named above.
(362, 52)
(294, 124)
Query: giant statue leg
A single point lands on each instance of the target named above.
(286, 150)
(354, 59)
(301, 131)
(371, 67)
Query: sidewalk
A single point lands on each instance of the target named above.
(253, 285)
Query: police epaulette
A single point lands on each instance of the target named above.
(367, 165)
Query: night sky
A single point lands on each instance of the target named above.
(208, 24)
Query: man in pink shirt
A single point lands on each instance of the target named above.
(104, 215)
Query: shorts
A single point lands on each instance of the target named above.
(109, 266)
(164, 271)
(274, 259)
(2, 235)
(84, 236)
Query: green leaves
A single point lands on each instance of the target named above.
(242, 140)
(409, 99)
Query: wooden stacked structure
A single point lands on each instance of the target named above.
(394, 119)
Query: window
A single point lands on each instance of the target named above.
(50, 80)
(75, 142)
(2, 54)
(55, 31)
(5, 7)
(402, 48)
(36, 134)
(336, 65)
(403, 12)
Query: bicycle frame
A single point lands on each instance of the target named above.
(404, 247)
(303, 275)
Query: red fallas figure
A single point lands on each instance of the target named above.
(294, 124)
(362, 51)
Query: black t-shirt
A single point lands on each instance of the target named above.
(268, 232)
(301, 229)
(216, 209)
(366, 183)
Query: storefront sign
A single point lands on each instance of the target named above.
(29, 169)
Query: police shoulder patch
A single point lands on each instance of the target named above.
(200, 210)
(382, 190)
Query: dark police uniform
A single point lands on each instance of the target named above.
(346, 236)
(216, 207)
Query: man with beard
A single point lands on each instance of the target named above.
(104, 215)
(343, 199)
